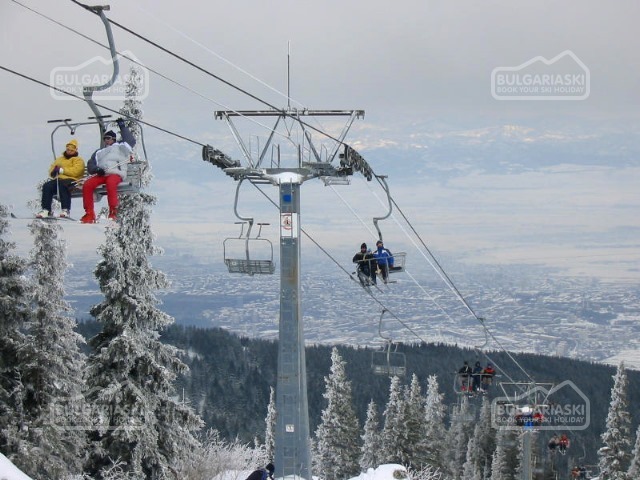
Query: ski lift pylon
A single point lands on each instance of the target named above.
(388, 361)
(239, 252)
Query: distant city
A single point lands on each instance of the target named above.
(524, 310)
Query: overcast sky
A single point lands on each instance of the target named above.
(422, 72)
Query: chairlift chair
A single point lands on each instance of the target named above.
(240, 252)
(388, 361)
(135, 168)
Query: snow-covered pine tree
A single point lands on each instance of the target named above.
(131, 373)
(458, 437)
(14, 312)
(53, 365)
(270, 429)
(470, 470)
(393, 430)
(499, 463)
(434, 426)
(371, 443)
(634, 469)
(337, 436)
(614, 455)
(483, 443)
(414, 447)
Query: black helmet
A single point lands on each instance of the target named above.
(364, 245)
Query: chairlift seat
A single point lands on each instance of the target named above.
(132, 184)
(250, 267)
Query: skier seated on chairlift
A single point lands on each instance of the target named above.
(465, 373)
(487, 377)
(477, 376)
(563, 443)
(65, 171)
(366, 266)
(108, 165)
(384, 257)
(553, 443)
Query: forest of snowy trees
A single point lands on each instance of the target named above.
(110, 409)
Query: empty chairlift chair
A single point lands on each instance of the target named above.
(248, 255)
(388, 361)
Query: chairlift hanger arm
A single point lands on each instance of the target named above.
(88, 90)
(383, 182)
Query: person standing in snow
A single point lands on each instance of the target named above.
(384, 259)
(263, 473)
(65, 171)
(109, 167)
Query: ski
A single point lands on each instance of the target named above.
(13, 215)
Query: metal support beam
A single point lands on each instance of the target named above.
(292, 439)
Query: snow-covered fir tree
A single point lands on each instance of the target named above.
(14, 311)
(414, 446)
(499, 463)
(470, 470)
(458, 437)
(270, 428)
(434, 424)
(393, 430)
(131, 373)
(337, 436)
(483, 444)
(52, 371)
(634, 469)
(371, 442)
(614, 455)
(132, 105)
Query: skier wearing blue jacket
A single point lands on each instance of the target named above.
(384, 257)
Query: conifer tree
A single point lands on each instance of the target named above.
(131, 373)
(53, 364)
(371, 443)
(434, 426)
(499, 464)
(414, 446)
(634, 469)
(337, 436)
(270, 430)
(470, 469)
(393, 430)
(458, 437)
(614, 455)
(483, 442)
(14, 311)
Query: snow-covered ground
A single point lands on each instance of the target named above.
(8, 471)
